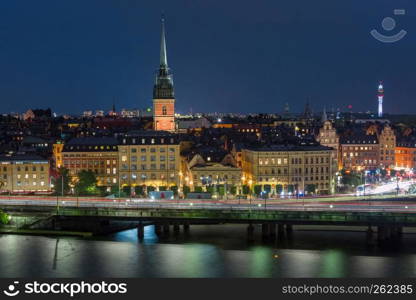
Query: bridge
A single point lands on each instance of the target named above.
(386, 215)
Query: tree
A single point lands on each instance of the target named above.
(162, 188)
(4, 217)
(257, 189)
(210, 189)
(279, 189)
(139, 190)
(126, 191)
(150, 189)
(102, 191)
(351, 178)
(198, 189)
(267, 188)
(63, 173)
(310, 188)
(87, 183)
(221, 190)
(174, 189)
(186, 189)
(233, 190)
(290, 188)
(246, 189)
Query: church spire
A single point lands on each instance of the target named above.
(324, 116)
(163, 88)
(163, 56)
(163, 92)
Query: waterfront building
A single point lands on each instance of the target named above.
(387, 140)
(405, 153)
(328, 136)
(359, 152)
(24, 174)
(149, 158)
(96, 154)
(290, 169)
(210, 168)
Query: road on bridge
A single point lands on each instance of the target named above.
(346, 203)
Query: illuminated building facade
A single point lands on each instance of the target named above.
(406, 154)
(205, 170)
(328, 137)
(293, 168)
(359, 152)
(24, 174)
(387, 140)
(96, 154)
(149, 158)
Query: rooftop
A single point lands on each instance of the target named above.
(22, 157)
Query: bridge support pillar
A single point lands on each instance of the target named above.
(396, 232)
(381, 233)
(369, 235)
(158, 229)
(280, 231)
(166, 228)
(272, 231)
(176, 228)
(250, 232)
(289, 228)
(186, 227)
(265, 230)
(140, 231)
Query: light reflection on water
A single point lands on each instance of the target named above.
(208, 251)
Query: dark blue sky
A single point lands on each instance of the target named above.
(226, 56)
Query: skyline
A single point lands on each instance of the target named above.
(73, 67)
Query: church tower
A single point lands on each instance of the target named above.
(163, 93)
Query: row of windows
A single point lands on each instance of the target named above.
(27, 183)
(358, 148)
(26, 169)
(87, 162)
(365, 162)
(387, 152)
(153, 176)
(407, 158)
(144, 150)
(134, 167)
(386, 158)
(210, 179)
(296, 171)
(294, 160)
(352, 154)
(89, 155)
(151, 140)
(92, 148)
(144, 158)
(298, 179)
(405, 152)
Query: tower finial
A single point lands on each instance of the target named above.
(163, 56)
(324, 115)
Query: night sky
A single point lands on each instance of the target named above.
(226, 56)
